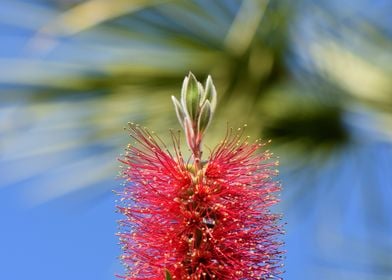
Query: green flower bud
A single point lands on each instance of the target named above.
(190, 96)
(210, 93)
(205, 117)
(179, 111)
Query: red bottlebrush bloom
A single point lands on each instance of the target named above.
(188, 219)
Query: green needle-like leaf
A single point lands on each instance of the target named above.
(168, 275)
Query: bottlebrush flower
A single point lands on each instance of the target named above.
(191, 219)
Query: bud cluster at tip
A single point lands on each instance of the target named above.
(195, 109)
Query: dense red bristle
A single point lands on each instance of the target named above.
(211, 225)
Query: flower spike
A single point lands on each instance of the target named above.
(187, 219)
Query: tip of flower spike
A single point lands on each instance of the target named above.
(195, 109)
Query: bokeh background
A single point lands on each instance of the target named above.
(313, 76)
